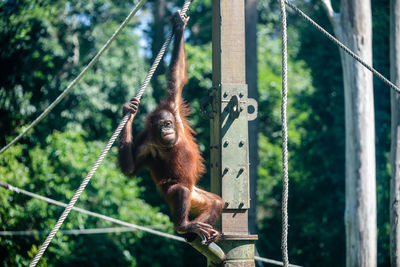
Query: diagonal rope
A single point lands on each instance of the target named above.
(104, 152)
(116, 221)
(274, 262)
(342, 46)
(78, 78)
(285, 188)
(160, 55)
(88, 231)
(90, 213)
(78, 193)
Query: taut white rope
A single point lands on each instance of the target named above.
(342, 46)
(285, 187)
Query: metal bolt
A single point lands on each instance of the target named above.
(226, 204)
(225, 95)
(226, 169)
(226, 143)
(240, 95)
(241, 143)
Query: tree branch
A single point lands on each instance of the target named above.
(332, 15)
(327, 4)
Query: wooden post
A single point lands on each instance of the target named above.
(252, 79)
(229, 131)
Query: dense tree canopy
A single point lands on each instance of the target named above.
(45, 44)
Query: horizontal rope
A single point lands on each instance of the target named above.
(113, 220)
(70, 232)
(90, 213)
(342, 46)
(279, 263)
(78, 78)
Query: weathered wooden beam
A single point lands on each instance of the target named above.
(229, 131)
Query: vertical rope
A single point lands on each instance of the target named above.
(285, 188)
(104, 152)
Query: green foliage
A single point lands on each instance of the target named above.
(44, 46)
(44, 49)
(200, 22)
(269, 182)
(320, 161)
(56, 172)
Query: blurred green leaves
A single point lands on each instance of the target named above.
(56, 172)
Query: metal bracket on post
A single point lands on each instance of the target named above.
(253, 105)
(234, 133)
(208, 110)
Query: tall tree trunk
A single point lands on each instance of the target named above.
(353, 26)
(158, 38)
(251, 80)
(395, 145)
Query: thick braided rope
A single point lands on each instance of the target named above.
(116, 221)
(159, 56)
(342, 46)
(102, 155)
(78, 78)
(274, 262)
(78, 193)
(88, 231)
(90, 213)
(69, 232)
(285, 188)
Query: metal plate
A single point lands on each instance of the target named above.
(234, 147)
